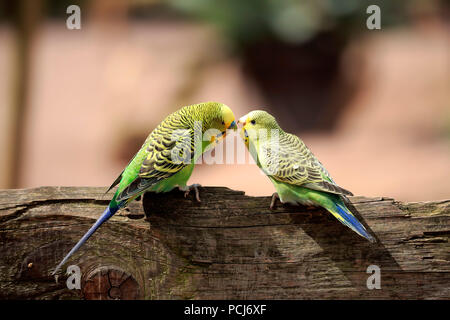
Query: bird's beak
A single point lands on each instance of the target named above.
(243, 120)
(233, 125)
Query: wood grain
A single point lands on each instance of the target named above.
(229, 246)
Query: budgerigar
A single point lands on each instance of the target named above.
(167, 157)
(298, 176)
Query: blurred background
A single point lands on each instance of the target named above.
(373, 105)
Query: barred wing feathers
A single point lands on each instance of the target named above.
(292, 162)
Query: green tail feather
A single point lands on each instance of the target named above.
(332, 202)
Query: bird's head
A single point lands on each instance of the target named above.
(257, 123)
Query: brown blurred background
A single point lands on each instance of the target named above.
(373, 105)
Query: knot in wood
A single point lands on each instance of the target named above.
(110, 283)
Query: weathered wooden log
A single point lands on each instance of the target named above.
(229, 246)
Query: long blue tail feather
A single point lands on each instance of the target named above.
(108, 213)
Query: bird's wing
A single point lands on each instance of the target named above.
(293, 163)
(168, 151)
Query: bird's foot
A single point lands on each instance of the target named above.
(187, 190)
(275, 197)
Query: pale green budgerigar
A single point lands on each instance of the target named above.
(298, 176)
(167, 157)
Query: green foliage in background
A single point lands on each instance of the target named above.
(243, 22)
(290, 21)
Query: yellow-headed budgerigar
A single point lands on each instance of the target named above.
(298, 176)
(167, 157)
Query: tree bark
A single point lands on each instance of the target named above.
(229, 246)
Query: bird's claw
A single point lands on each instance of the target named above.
(194, 187)
(275, 197)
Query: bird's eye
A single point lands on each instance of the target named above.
(223, 122)
(253, 122)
